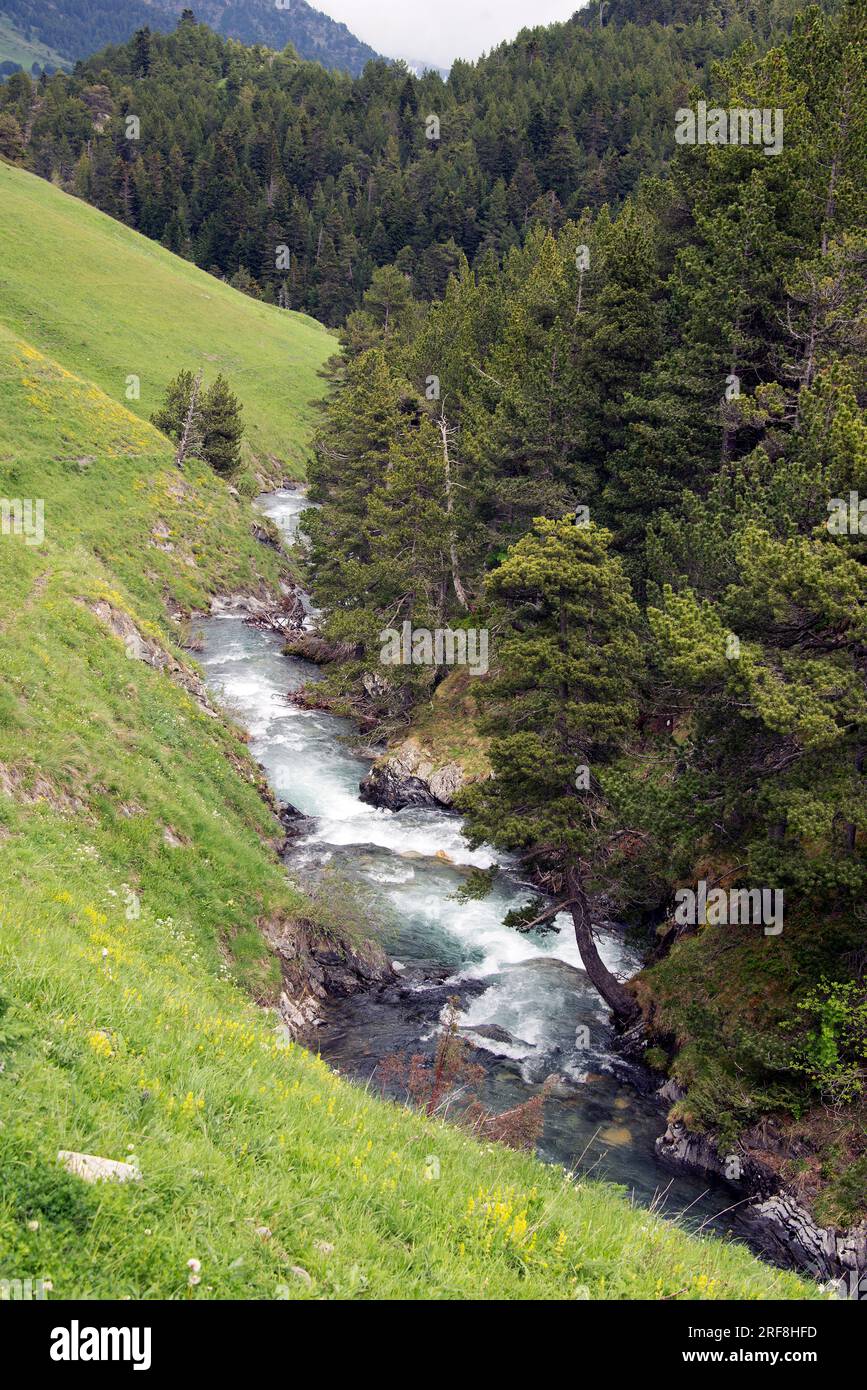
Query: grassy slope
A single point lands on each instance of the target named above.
(106, 302)
(446, 726)
(124, 1027)
(15, 47)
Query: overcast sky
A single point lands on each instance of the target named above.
(439, 31)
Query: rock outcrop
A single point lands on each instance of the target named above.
(152, 653)
(294, 822)
(409, 777)
(775, 1220)
(314, 971)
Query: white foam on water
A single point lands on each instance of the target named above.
(514, 1051)
(416, 855)
(284, 507)
(361, 824)
(388, 876)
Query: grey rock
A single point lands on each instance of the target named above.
(384, 786)
(775, 1218)
(409, 777)
(92, 1168)
(313, 974)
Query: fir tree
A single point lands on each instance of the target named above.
(222, 428)
(567, 658)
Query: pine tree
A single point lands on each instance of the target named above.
(388, 300)
(772, 771)
(524, 423)
(351, 458)
(11, 137)
(141, 62)
(172, 414)
(190, 441)
(222, 428)
(617, 333)
(566, 661)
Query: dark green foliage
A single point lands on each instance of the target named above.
(11, 137)
(477, 884)
(563, 699)
(216, 426)
(172, 414)
(222, 428)
(46, 1192)
(263, 152)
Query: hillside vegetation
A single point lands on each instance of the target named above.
(76, 28)
(353, 176)
(18, 50)
(683, 376)
(106, 302)
(138, 871)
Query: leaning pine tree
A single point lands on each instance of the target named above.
(560, 707)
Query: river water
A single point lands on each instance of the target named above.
(529, 992)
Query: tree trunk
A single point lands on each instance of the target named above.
(808, 368)
(618, 998)
(190, 434)
(460, 591)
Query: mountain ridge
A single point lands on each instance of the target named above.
(76, 28)
(268, 152)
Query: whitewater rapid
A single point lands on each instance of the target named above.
(542, 1015)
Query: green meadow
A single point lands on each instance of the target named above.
(139, 873)
(107, 303)
(15, 47)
